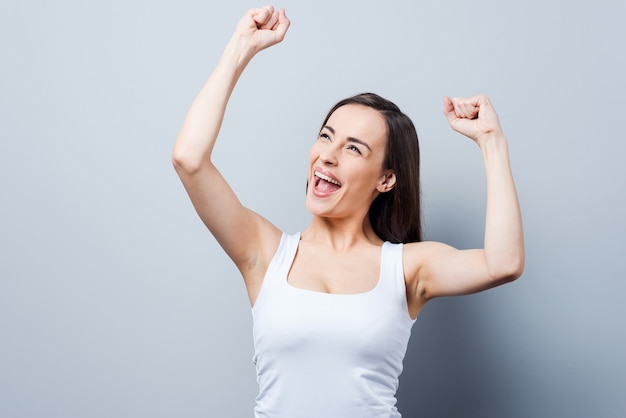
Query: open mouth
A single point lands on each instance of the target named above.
(325, 184)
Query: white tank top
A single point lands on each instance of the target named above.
(322, 355)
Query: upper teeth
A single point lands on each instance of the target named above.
(328, 179)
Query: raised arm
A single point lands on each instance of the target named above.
(444, 270)
(245, 236)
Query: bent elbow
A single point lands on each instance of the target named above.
(184, 163)
(515, 273)
(509, 271)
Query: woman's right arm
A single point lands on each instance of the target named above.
(244, 235)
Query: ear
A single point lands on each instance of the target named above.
(387, 182)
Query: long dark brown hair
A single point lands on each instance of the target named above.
(396, 214)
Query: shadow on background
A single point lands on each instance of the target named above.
(453, 367)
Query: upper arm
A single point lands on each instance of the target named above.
(441, 270)
(245, 236)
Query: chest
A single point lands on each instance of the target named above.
(325, 271)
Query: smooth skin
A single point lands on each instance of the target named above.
(340, 233)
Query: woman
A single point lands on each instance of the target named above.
(334, 305)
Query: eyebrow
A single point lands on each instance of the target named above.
(350, 138)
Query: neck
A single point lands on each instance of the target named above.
(341, 234)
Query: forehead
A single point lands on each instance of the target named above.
(358, 121)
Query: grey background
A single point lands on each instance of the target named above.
(116, 302)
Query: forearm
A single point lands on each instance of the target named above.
(504, 241)
(201, 126)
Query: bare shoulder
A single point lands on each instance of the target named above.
(416, 254)
(417, 259)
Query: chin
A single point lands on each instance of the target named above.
(316, 207)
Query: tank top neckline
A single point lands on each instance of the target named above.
(294, 250)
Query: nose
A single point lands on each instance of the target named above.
(329, 156)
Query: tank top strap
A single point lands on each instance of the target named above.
(279, 266)
(392, 272)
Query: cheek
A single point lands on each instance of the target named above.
(364, 175)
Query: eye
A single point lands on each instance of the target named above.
(354, 148)
(324, 136)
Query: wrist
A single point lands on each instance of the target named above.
(491, 139)
(239, 51)
(493, 146)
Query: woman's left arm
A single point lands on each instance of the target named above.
(447, 271)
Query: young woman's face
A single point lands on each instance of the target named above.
(346, 163)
